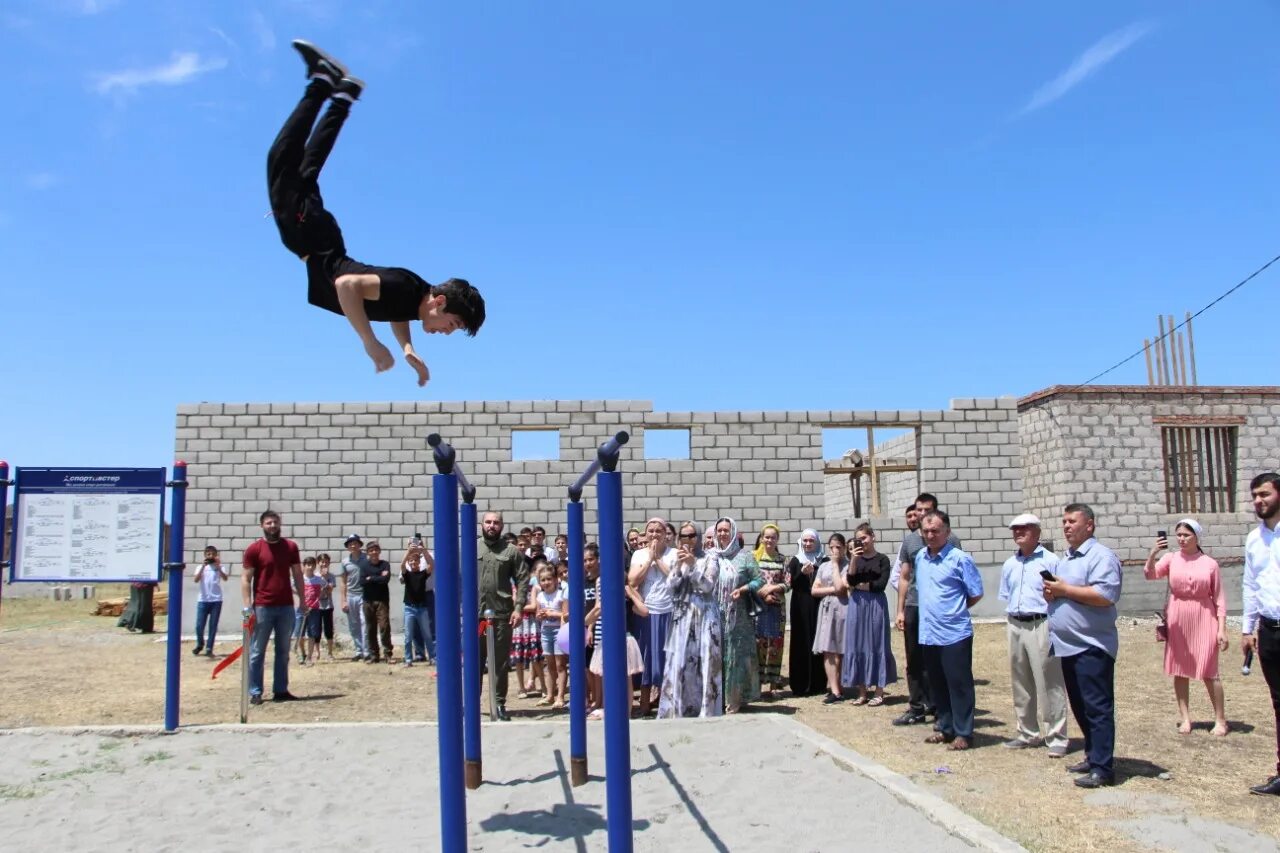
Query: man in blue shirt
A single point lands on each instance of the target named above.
(1039, 696)
(947, 584)
(1082, 628)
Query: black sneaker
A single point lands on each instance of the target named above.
(286, 696)
(348, 89)
(197, 650)
(255, 699)
(910, 718)
(831, 699)
(320, 63)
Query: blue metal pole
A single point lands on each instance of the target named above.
(470, 646)
(617, 685)
(577, 649)
(453, 804)
(4, 519)
(175, 565)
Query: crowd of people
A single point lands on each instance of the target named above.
(707, 614)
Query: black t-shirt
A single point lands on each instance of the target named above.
(401, 291)
(415, 587)
(375, 585)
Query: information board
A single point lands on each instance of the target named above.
(88, 524)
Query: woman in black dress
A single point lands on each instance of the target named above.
(805, 673)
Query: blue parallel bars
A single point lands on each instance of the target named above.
(175, 565)
(470, 638)
(577, 648)
(5, 483)
(453, 804)
(617, 690)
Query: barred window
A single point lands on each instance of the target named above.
(1199, 467)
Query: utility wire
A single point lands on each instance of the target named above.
(1259, 271)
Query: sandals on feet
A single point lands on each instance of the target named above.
(875, 702)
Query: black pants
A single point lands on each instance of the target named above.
(1091, 690)
(918, 695)
(950, 671)
(1269, 658)
(293, 173)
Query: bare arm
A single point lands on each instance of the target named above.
(404, 337)
(353, 289)
(246, 585)
(904, 583)
(199, 573)
(296, 571)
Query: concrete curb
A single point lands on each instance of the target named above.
(933, 807)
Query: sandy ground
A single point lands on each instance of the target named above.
(62, 667)
(255, 789)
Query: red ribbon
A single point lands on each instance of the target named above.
(234, 656)
(484, 626)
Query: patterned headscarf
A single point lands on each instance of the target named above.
(760, 553)
(731, 550)
(809, 556)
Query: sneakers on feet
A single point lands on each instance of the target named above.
(1016, 743)
(255, 699)
(319, 63)
(286, 696)
(348, 89)
(197, 650)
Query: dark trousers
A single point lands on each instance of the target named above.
(1269, 658)
(501, 650)
(917, 682)
(950, 671)
(1091, 691)
(293, 174)
(377, 623)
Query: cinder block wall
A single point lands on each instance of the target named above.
(1101, 445)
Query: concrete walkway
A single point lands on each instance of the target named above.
(751, 783)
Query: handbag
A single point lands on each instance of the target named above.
(1162, 629)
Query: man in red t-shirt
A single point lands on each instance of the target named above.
(272, 576)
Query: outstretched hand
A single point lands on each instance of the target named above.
(382, 357)
(420, 367)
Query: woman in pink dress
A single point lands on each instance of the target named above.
(1197, 619)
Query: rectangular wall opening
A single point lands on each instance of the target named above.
(535, 445)
(665, 443)
(868, 470)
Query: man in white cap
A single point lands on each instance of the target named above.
(1039, 694)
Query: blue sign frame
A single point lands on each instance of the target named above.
(87, 481)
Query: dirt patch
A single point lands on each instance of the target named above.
(61, 666)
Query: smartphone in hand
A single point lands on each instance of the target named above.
(1047, 575)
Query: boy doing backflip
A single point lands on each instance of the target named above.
(336, 282)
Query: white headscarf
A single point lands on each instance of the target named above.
(1194, 525)
(809, 556)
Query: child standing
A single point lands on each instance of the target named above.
(526, 644)
(312, 586)
(326, 599)
(209, 576)
(552, 608)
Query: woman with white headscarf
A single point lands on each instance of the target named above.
(693, 680)
(804, 668)
(1196, 616)
(736, 577)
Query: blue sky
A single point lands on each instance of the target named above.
(713, 205)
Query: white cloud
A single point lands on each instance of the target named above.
(184, 67)
(1086, 64)
(42, 180)
(262, 29)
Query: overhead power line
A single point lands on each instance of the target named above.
(1250, 277)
